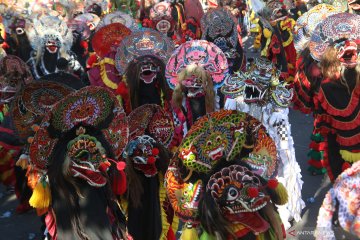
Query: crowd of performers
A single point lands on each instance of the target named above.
(146, 120)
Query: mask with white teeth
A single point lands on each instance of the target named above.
(143, 154)
(236, 190)
(84, 156)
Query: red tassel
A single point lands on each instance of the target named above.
(119, 183)
(120, 166)
(123, 91)
(5, 45)
(91, 60)
(170, 234)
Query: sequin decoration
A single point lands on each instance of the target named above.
(218, 26)
(199, 52)
(222, 135)
(153, 120)
(333, 28)
(213, 137)
(307, 23)
(108, 38)
(90, 106)
(142, 42)
(42, 146)
(41, 96)
(33, 102)
(116, 133)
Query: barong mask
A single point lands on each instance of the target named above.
(90, 19)
(260, 84)
(142, 152)
(340, 31)
(32, 102)
(108, 38)
(50, 33)
(231, 189)
(161, 18)
(307, 23)
(117, 17)
(150, 126)
(276, 10)
(85, 154)
(219, 26)
(13, 75)
(201, 53)
(213, 139)
(141, 56)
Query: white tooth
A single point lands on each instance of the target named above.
(231, 211)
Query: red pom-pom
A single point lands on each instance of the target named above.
(120, 166)
(272, 183)
(253, 192)
(281, 1)
(151, 160)
(155, 151)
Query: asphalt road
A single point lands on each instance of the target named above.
(27, 226)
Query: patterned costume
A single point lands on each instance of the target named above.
(149, 214)
(334, 43)
(50, 39)
(75, 152)
(208, 169)
(141, 57)
(276, 36)
(308, 78)
(195, 70)
(220, 27)
(346, 194)
(13, 76)
(264, 96)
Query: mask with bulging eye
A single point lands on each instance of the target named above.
(143, 154)
(84, 155)
(237, 190)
